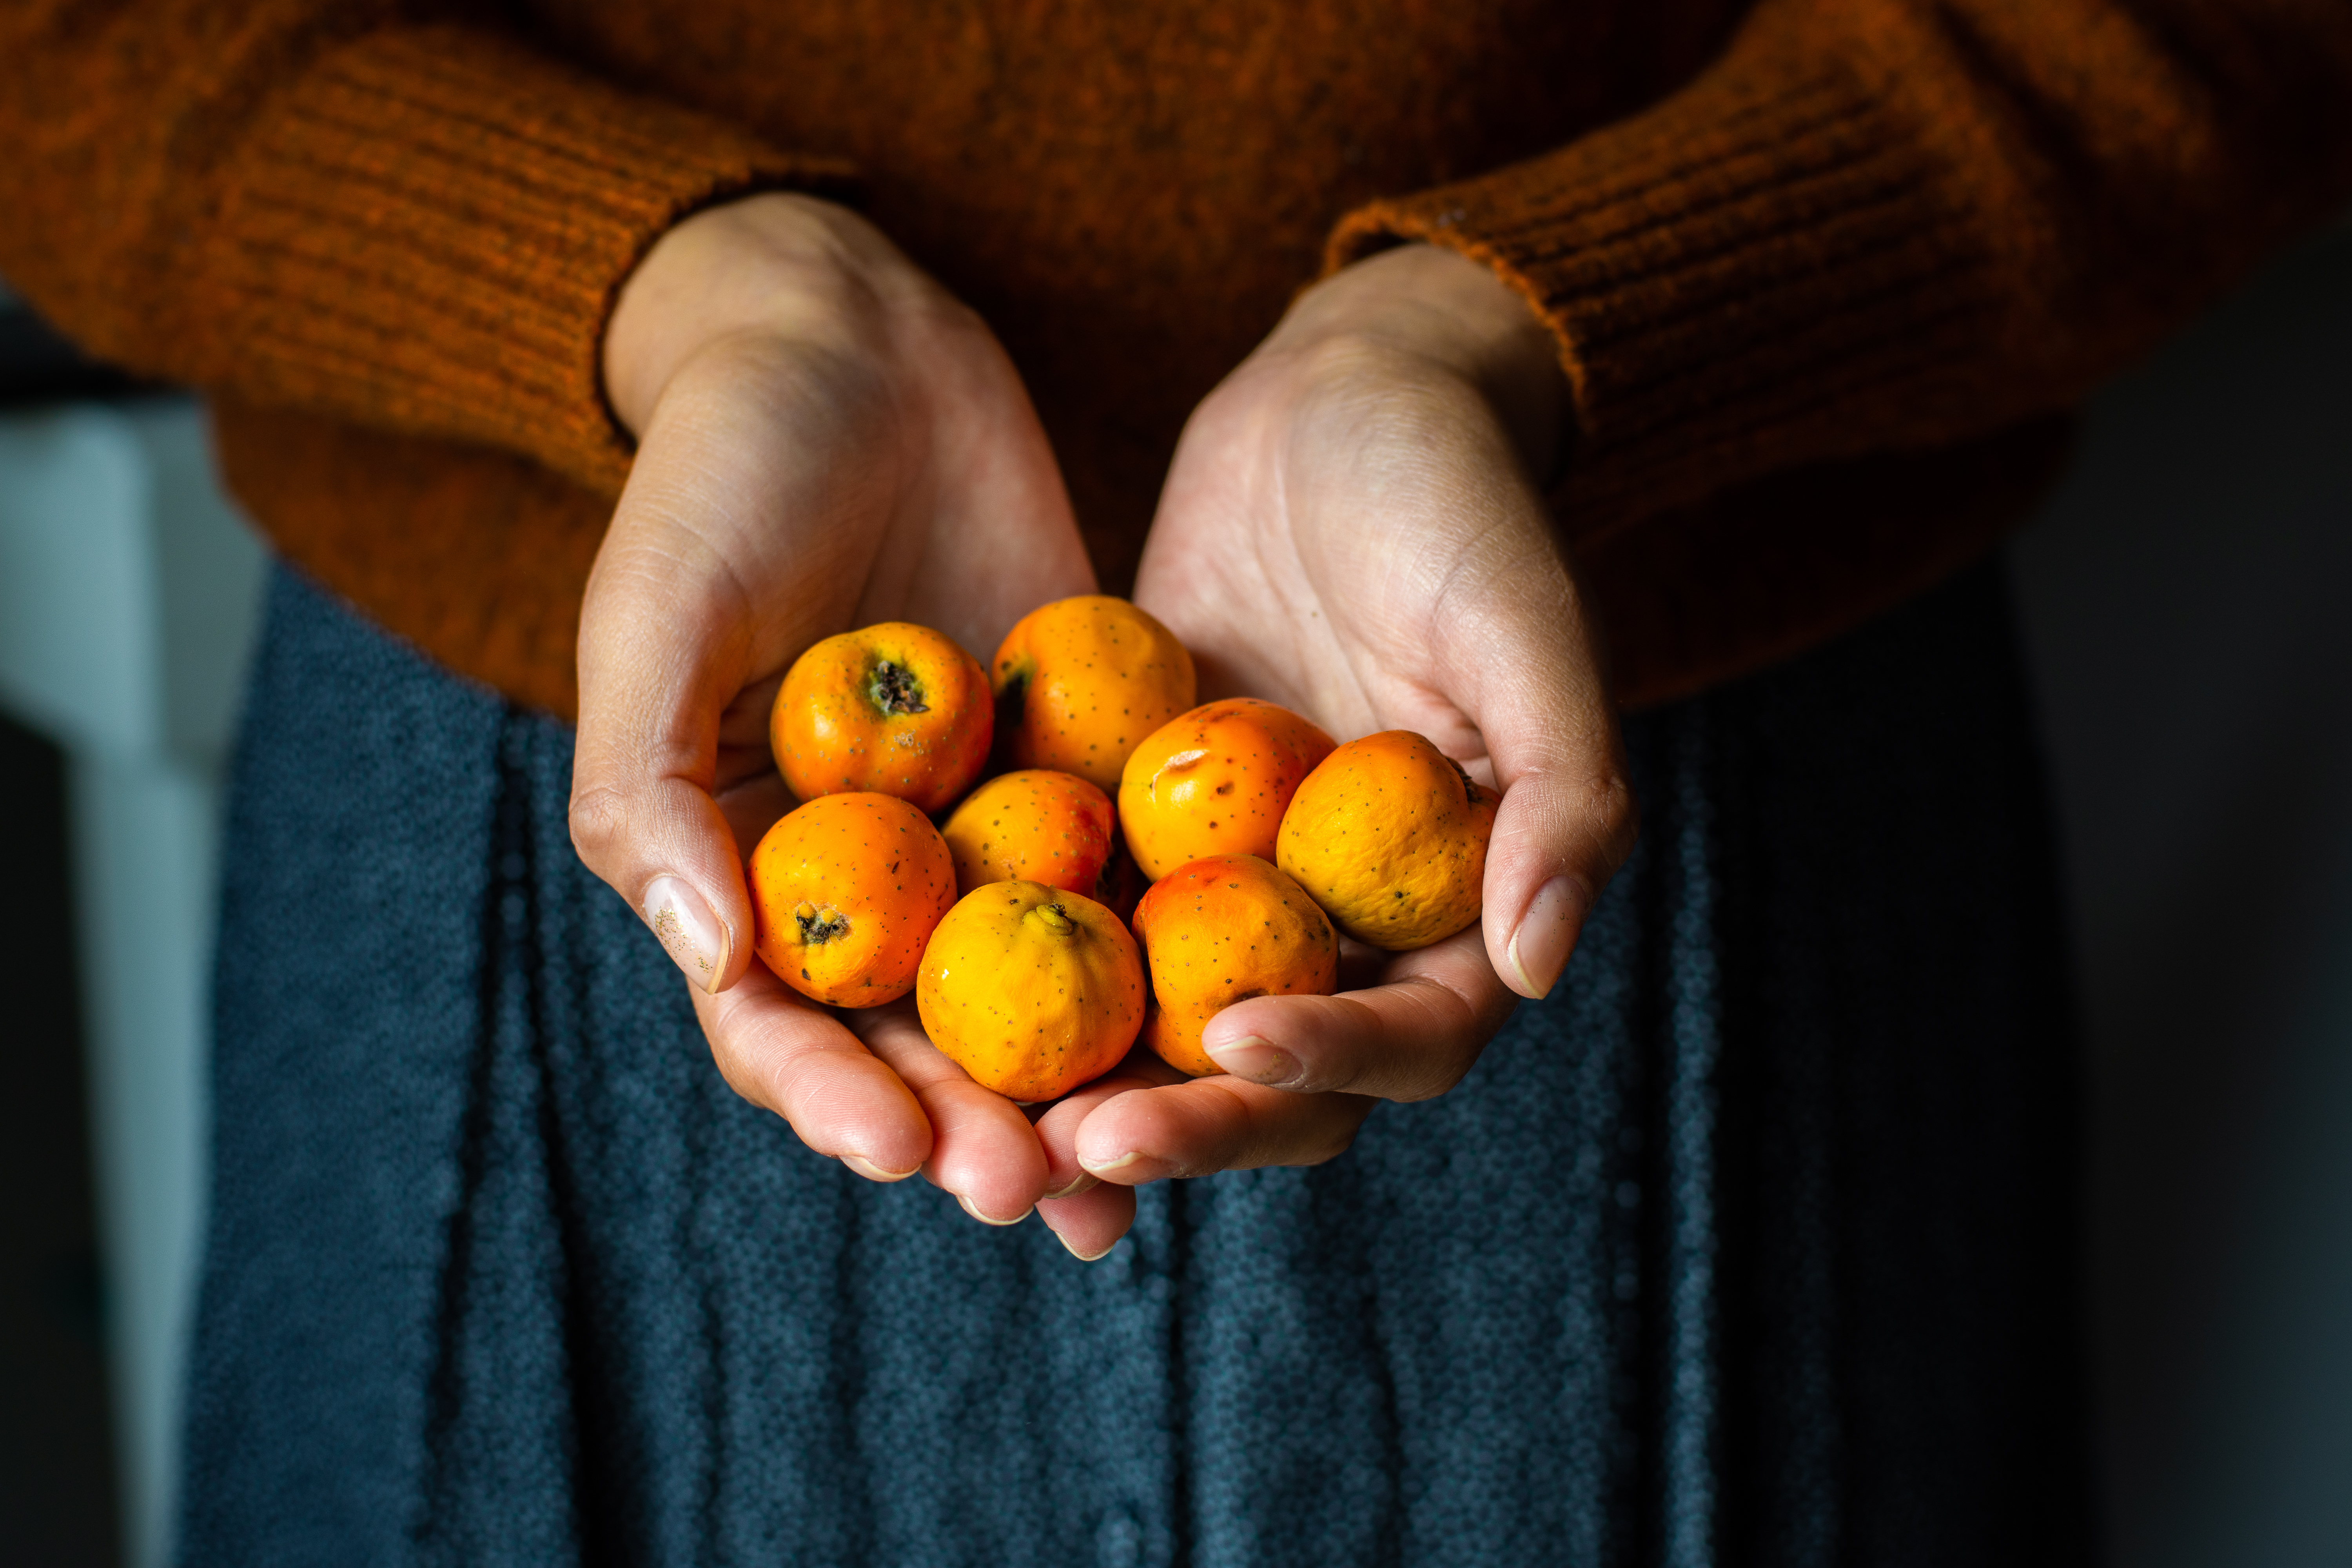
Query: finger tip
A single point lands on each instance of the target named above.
(1539, 945)
(888, 1162)
(1089, 1225)
(1082, 1182)
(1001, 1220)
(1514, 974)
(683, 920)
(997, 1180)
(874, 1172)
(893, 1138)
(735, 964)
(1129, 1168)
(1255, 1059)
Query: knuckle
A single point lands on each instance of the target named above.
(1611, 806)
(1429, 1084)
(1347, 364)
(739, 1073)
(1374, 387)
(783, 1083)
(599, 817)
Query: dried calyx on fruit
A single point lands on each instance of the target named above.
(820, 925)
(844, 892)
(895, 708)
(894, 691)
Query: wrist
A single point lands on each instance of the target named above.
(1459, 319)
(778, 263)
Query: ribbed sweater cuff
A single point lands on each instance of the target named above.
(427, 229)
(1767, 269)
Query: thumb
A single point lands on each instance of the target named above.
(1523, 654)
(662, 653)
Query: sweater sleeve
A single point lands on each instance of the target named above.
(1880, 225)
(349, 208)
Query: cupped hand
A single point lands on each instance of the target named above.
(1354, 527)
(825, 439)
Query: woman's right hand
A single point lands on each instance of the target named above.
(827, 439)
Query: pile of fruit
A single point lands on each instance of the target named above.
(1041, 927)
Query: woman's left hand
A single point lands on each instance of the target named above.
(1354, 527)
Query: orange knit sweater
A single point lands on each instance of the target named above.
(1821, 271)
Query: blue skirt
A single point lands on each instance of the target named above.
(1755, 1243)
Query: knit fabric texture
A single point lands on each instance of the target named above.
(1753, 1245)
(1809, 264)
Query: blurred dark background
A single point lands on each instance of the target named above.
(2182, 601)
(57, 1465)
(2185, 598)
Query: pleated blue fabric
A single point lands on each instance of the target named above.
(1755, 1243)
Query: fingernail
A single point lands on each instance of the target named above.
(1084, 1256)
(1128, 1165)
(872, 1171)
(1539, 948)
(971, 1209)
(1257, 1060)
(689, 932)
(1076, 1187)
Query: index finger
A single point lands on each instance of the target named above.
(1411, 1037)
(719, 564)
(1519, 654)
(783, 1053)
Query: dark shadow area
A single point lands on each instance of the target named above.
(57, 1485)
(36, 366)
(2185, 599)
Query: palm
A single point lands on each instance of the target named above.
(1350, 527)
(1307, 557)
(827, 439)
(950, 514)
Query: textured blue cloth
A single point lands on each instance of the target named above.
(1754, 1245)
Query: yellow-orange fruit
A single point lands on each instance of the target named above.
(893, 708)
(844, 892)
(1079, 681)
(1030, 990)
(1222, 930)
(1216, 782)
(1035, 826)
(1389, 835)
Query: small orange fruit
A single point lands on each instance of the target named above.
(1390, 835)
(1079, 681)
(844, 892)
(895, 708)
(1222, 930)
(1216, 782)
(1035, 826)
(1030, 990)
